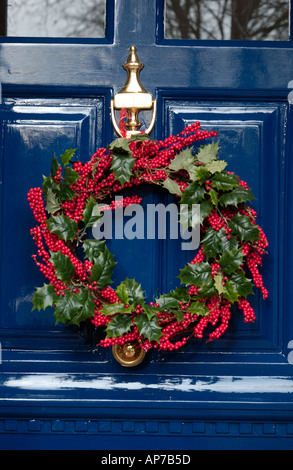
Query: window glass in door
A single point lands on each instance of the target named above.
(257, 20)
(54, 18)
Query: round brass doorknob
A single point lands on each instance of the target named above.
(129, 354)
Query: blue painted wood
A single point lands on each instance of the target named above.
(236, 393)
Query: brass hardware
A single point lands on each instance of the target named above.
(129, 354)
(133, 97)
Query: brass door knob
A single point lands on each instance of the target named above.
(129, 354)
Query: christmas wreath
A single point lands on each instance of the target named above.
(79, 268)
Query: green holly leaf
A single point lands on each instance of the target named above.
(151, 311)
(230, 293)
(218, 280)
(114, 309)
(237, 196)
(167, 302)
(193, 194)
(123, 293)
(64, 227)
(67, 156)
(87, 309)
(63, 267)
(185, 161)
(120, 145)
(103, 269)
(65, 192)
(205, 210)
(241, 284)
(243, 228)
(208, 290)
(53, 204)
(91, 213)
(198, 308)
(195, 274)
(134, 292)
(208, 153)
(231, 261)
(148, 328)
(189, 217)
(122, 165)
(44, 297)
(202, 174)
(214, 195)
(216, 166)
(224, 182)
(227, 244)
(71, 176)
(67, 307)
(93, 249)
(212, 243)
(118, 326)
(180, 293)
(172, 187)
(54, 167)
(179, 315)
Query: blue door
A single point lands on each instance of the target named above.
(233, 73)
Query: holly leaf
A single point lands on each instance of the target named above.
(151, 311)
(224, 182)
(122, 293)
(103, 269)
(71, 176)
(195, 274)
(67, 156)
(214, 195)
(205, 210)
(167, 302)
(53, 204)
(208, 290)
(180, 293)
(243, 228)
(208, 153)
(193, 194)
(231, 261)
(241, 284)
(93, 249)
(67, 306)
(202, 174)
(65, 192)
(44, 297)
(218, 280)
(87, 309)
(63, 267)
(237, 196)
(185, 161)
(216, 166)
(172, 187)
(230, 293)
(148, 328)
(211, 243)
(122, 165)
(91, 213)
(114, 309)
(118, 326)
(197, 308)
(120, 145)
(54, 166)
(134, 291)
(189, 217)
(62, 226)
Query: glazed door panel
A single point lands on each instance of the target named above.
(56, 95)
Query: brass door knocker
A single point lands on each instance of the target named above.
(133, 97)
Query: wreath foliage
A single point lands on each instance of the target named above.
(79, 269)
